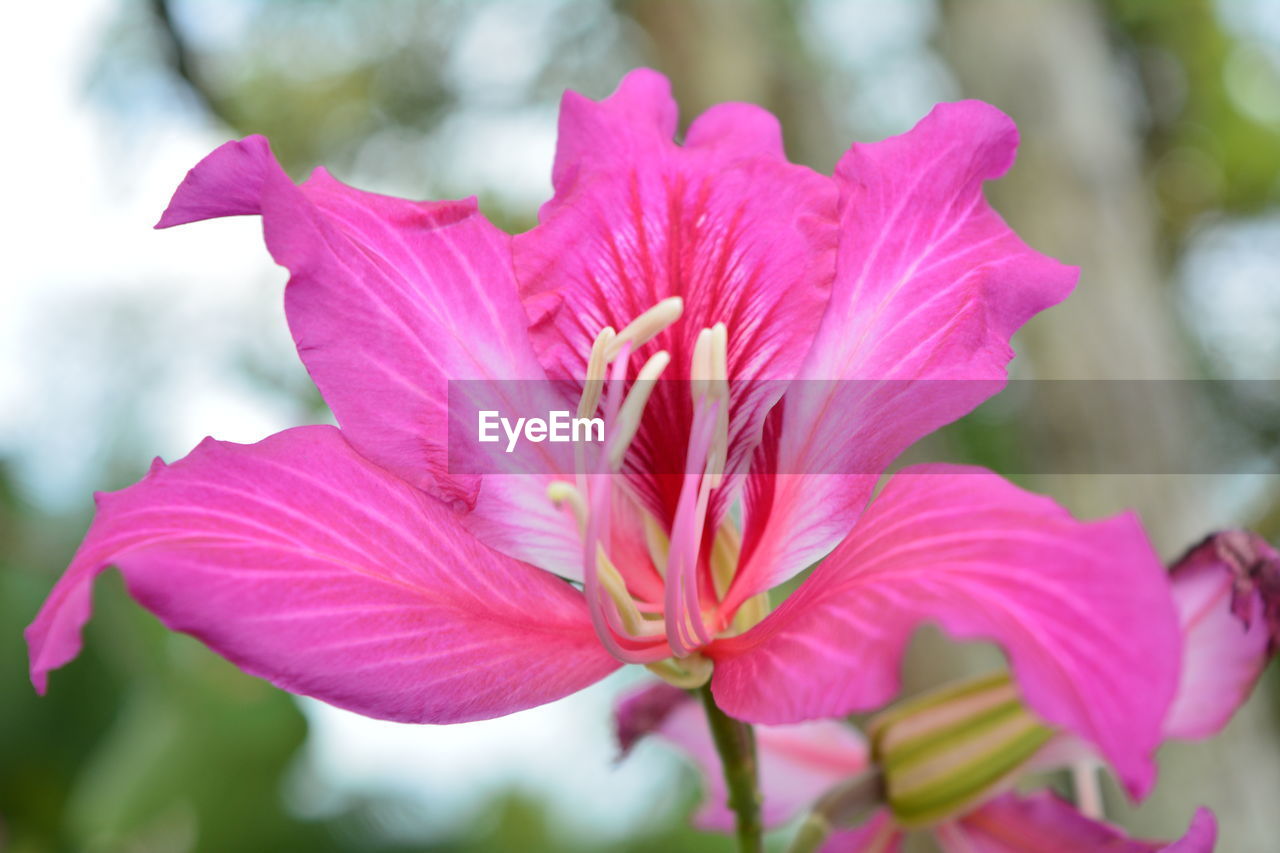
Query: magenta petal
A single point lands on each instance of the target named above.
(1201, 837)
(797, 763)
(1081, 609)
(513, 514)
(1227, 593)
(725, 223)
(930, 285)
(629, 124)
(741, 129)
(309, 566)
(642, 711)
(388, 300)
(1045, 823)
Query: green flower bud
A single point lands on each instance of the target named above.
(944, 752)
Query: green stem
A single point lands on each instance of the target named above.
(736, 743)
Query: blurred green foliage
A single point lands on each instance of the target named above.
(1208, 152)
(148, 742)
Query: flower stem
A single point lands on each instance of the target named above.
(736, 743)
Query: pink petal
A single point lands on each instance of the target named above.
(798, 763)
(1082, 611)
(388, 300)
(877, 835)
(642, 711)
(724, 222)
(309, 566)
(743, 130)
(1226, 593)
(930, 285)
(513, 514)
(1045, 823)
(1201, 835)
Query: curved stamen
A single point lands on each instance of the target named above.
(628, 422)
(597, 511)
(617, 620)
(685, 628)
(707, 455)
(624, 617)
(709, 372)
(620, 622)
(644, 328)
(592, 387)
(596, 364)
(566, 494)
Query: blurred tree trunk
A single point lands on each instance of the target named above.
(1077, 193)
(731, 50)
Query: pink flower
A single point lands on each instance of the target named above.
(1228, 597)
(355, 565)
(1227, 590)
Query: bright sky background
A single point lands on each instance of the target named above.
(112, 334)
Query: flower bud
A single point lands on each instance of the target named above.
(943, 752)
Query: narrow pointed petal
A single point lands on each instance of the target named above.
(388, 300)
(1227, 590)
(307, 565)
(1082, 610)
(930, 286)
(725, 223)
(797, 763)
(1045, 823)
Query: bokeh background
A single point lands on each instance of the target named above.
(1150, 157)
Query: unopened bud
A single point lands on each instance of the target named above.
(944, 752)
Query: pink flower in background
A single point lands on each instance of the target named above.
(1227, 592)
(798, 762)
(353, 565)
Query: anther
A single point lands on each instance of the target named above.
(644, 328)
(596, 364)
(562, 493)
(709, 371)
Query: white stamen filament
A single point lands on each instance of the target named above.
(596, 364)
(611, 580)
(633, 407)
(710, 374)
(724, 556)
(566, 494)
(659, 546)
(686, 630)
